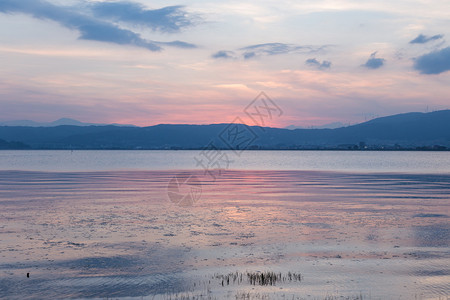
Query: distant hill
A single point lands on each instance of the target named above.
(4, 145)
(324, 126)
(403, 131)
(59, 122)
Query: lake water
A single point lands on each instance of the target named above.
(352, 161)
(154, 225)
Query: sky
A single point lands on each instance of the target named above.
(199, 62)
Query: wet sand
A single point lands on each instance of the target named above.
(117, 234)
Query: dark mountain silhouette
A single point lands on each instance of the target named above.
(4, 145)
(324, 126)
(59, 122)
(410, 130)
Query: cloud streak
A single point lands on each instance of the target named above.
(373, 62)
(177, 44)
(320, 65)
(267, 49)
(435, 62)
(276, 49)
(422, 39)
(166, 19)
(224, 54)
(98, 29)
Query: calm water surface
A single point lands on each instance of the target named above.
(355, 161)
(98, 224)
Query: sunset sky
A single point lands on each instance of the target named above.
(197, 62)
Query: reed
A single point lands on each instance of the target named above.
(258, 278)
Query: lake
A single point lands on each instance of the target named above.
(155, 225)
(351, 161)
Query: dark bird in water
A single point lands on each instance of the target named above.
(28, 275)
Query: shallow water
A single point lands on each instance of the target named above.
(119, 234)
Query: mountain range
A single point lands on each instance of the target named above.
(59, 122)
(324, 126)
(69, 121)
(403, 131)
